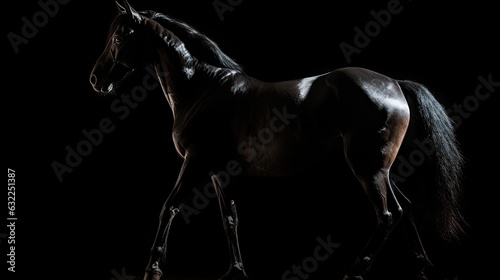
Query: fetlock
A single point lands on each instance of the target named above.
(422, 263)
(360, 269)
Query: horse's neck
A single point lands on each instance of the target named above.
(163, 75)
(174, 67)
(183, 87)
(182, 77)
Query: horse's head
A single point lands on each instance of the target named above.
(126, 50)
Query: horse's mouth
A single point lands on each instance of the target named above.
(108, 86)
(105, 88)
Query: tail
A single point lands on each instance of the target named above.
(448, 160)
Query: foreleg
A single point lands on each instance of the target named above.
(189, 175)
(230, 221)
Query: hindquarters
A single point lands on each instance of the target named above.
(375, 111)
(372, 115)
(375, 118)
(368, 110)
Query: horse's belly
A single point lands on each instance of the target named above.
(269, 152)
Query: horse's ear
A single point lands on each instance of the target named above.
(126, 8)
(121, 9)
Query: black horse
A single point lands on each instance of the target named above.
(227, 120)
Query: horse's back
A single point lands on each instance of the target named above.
(364, 97)
(314, 111)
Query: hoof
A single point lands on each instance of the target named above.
(153, 274)
(360, 268)
(151, 277)
(235, 274)
(354, 277)
(422, 277)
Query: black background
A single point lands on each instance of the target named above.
(101, 219)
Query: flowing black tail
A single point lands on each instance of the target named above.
(448, 160)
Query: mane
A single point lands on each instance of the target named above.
(198, 44)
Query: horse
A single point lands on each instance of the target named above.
(224, 119)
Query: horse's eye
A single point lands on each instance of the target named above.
(118, 39)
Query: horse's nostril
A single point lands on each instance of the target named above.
(93, 79)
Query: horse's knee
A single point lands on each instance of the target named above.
(389, 219)
(385, 219)
(157, 252)
(397, 214)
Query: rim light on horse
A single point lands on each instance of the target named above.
(210, 94)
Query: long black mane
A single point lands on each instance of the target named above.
(198, 44)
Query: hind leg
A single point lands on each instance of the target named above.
(411, 231)
(370, 154)
(388, 213)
